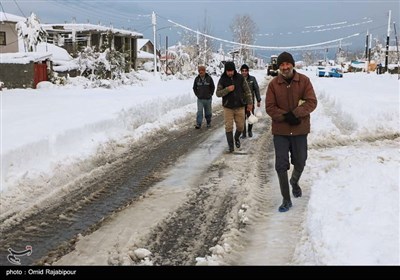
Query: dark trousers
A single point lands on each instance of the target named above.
(296, 146)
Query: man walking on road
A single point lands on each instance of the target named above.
(255, 92)
(203, 88)
(235, 93)
(289, 101)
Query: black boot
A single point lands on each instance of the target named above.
(229, 138)
(285, 206)
(284, 185)
(294, 181)
(237, 140)
(244, 131)
(249, 129)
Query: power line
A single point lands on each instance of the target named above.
(303, 47)
(102, 14)
(19, 8)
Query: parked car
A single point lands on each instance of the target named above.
(329, 72)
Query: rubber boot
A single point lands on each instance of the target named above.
(237, 140)
(229, 138)
(294, 181)
(244, 131)
(284, 185)
(249, 129)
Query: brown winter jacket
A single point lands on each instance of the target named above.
(298, 96)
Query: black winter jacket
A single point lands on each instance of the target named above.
(239, 97)
(203, 88)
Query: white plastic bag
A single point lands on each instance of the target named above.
(252, 119)
(258, 113)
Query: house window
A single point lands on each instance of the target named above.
(2, 38)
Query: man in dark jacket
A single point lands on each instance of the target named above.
(255, 93)
(289, 101)
(203, 88)
(235, 93)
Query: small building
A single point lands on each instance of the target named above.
(75, 37)
(24, 70)
(145, 52)
(8, 33)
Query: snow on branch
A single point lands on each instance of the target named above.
(31, 32)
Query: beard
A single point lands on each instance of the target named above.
(288, 73)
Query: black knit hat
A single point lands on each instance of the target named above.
(230, 66)
(285, 57)
(244, 66)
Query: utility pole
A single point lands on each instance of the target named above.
(205, 50)
(366, 45)
(397, 49)
(198, 47)
(369, 48)
(154, 22)
(166, 55)
(387, 42)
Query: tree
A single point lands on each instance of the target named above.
(308, 58)
(31, 32)
(201, 47)
(181, 62)
(243, 29)
(205, 44)
(104, 65)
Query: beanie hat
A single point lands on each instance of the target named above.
(244, 66)
(230, 66)
(285, 57)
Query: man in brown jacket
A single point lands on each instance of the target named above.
(289, 101)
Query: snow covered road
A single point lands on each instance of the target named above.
(197, 205)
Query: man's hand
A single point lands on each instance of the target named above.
(231, 88)
(291, 119)
(258, 104)
(249, 108)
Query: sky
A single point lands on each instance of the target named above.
(349, 213)
(279, 23)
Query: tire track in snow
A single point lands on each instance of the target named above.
(51, 226)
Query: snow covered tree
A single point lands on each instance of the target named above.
(189, 39)
(117, 63)
(108, 64)
(181, 62)
(308, 58)
(31, 32)
(244, 29)
(107, 41)
(206, 44)
(201, 47)
(87, 62)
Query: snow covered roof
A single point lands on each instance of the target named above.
(88, 27)
(143, 54)
(24, 57)
(10, 17)
(57, 52)
(141, 43)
